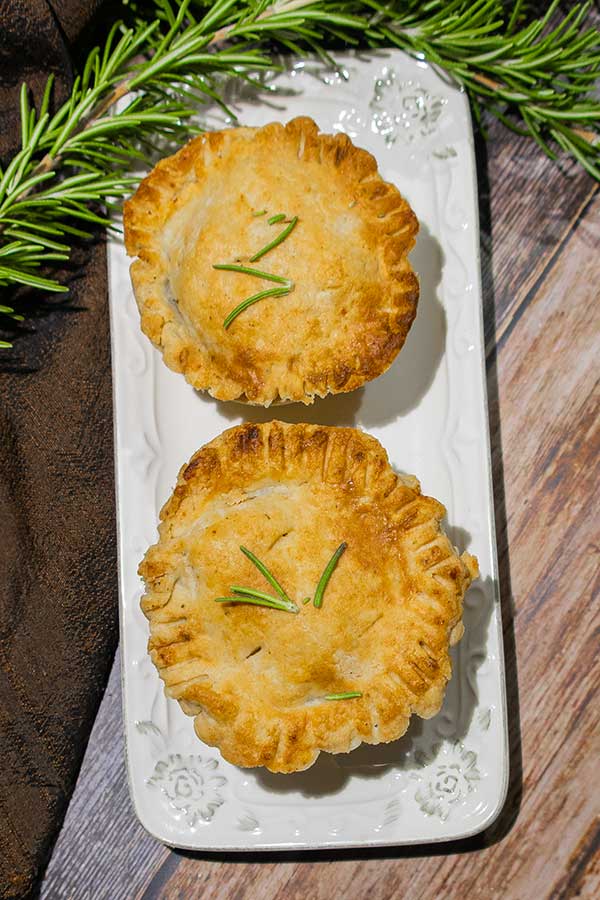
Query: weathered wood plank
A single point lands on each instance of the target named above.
(103, 851)
(528, 209)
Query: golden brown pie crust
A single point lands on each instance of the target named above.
(355, 294)
(255, 678)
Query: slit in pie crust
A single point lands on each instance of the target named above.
(255, 679)
(354, 296)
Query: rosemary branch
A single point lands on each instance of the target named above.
(240, 594)
(535, 73)
(260, 598)
(138, 77)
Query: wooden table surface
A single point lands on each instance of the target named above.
(541, 267)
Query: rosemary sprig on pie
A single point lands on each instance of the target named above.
(260, 598)
(348, 695)
(242, 594)
(275, 243)
(250, 301)
(241, 591)
(258, 273)
(267, 574)
(327, 573)
(264, 600)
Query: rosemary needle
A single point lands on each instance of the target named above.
(265, 572)
(274, 243)
(305, 601)
(260, 595)
(349, 695)
(277, 218)
(260, 212)
(256, 601)
(327, 573)
(245, 270)
(249, 301)
(252, 592)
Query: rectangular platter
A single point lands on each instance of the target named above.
(447, 777)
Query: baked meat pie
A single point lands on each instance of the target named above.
(272, 263)
(302, 597)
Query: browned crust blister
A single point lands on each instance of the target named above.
(369, 319)
(253, 678)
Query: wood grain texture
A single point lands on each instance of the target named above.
(541, 233)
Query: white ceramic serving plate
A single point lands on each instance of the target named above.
(447, 777)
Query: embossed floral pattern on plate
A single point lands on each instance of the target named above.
(401, 111)
(189, 785)
(449, 781)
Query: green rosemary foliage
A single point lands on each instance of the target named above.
(241, 594)
(276, 241)
(257, 273)
(327, 573)
(347, 695)
(263, 600)
(250, 301)
(266, 573)
(535, 74)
